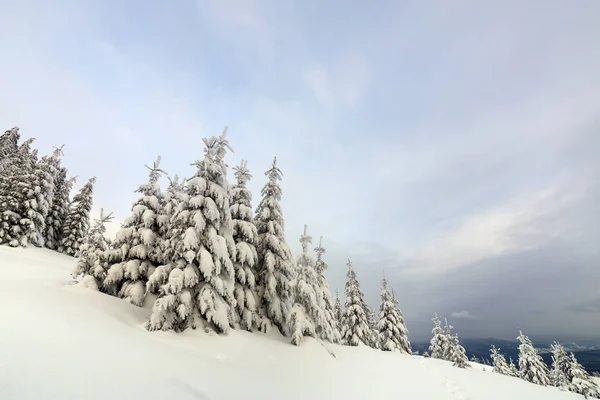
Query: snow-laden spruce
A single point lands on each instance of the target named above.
(513, 368)
(561, 366)
(40, 196)
(581, 382)
(308, 317)
(92, 263)
(390, 326)
(404, 340)
(245, 236)
(200, 286)
(77, 222)
(9, 144)
(137, 249)
(458, 355)
(355, 326)
(439, 342)
(275, 267)
(531, 366)
(171, 199)
(372, 320)
(568, 374)
(59, 207)
(328, 306)
(16, 209)
(499, 362)
(338, 311)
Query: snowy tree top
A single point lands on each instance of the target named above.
(305, 240)
(155, 171)
(242, 174)
(320, 265)
(272, 188)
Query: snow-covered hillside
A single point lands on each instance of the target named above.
(59, 341)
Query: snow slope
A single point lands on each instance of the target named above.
(59, 341)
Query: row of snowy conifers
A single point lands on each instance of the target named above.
(197, 246)
(566, 372)
(34, 198)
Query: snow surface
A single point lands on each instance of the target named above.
(61, 341)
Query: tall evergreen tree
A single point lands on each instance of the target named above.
(137, 250)
(200, 285)
(173, 196)
(391, 328)
(40, 197)
(439, 341)
(499, 362)
(328, 306)
(568, 374)
(458, 355)
(59, 206)
(92, 254)
(513, 369)
(448, 349)
(9, 144)
(16, 210)
(307, 316)
(355, 327)
(404, 340)
(581, 382)
(77, 222)
(531, 365)
(245, 236)
(275, 267)
(560, 375)
(338, 311)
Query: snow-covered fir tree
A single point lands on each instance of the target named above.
(581, 382)
(531, 365)
(513, 369)
(9, 144)
(40, 197)
(391, 328)
(245, 236)
(499, 362)
(439, 341)
(59, 206)
(92, 254)
(355, 327)
(338, 310)
(458, 355)
(200, 286)
(307, 316)
(172, 197)
(137, 249)
(17, 228)
(328, 306)
(560, 375)
(77, 222)
(448, 349)
(404, 340)
(568, 374)
(372, 319)
(275, 268)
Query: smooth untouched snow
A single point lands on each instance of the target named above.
(61, 341)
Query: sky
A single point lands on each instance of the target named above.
(450, 145)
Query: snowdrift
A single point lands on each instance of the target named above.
(60, 341)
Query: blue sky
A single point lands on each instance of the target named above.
(453, 144)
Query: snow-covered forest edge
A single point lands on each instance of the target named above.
(199, 270)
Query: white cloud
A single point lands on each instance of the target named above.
(503, 230)
(462, 315)
(342, 83)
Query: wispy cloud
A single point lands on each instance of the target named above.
(462, 315)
